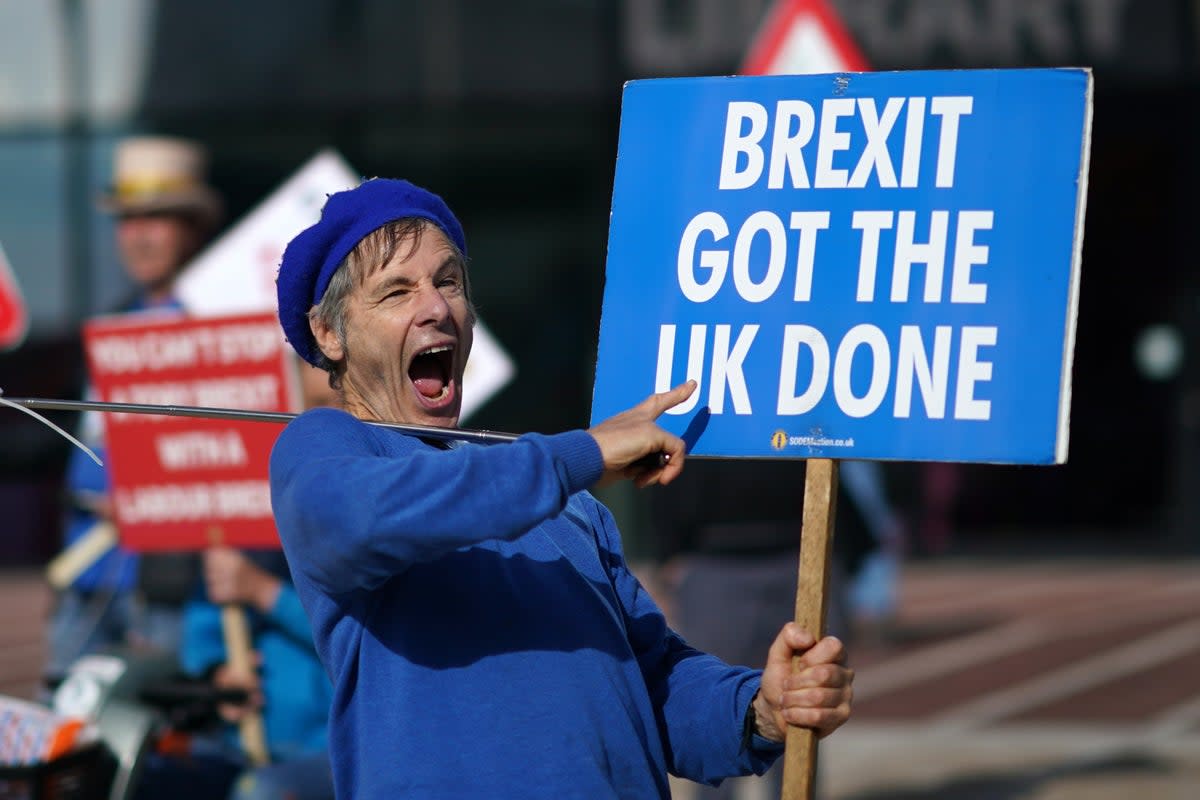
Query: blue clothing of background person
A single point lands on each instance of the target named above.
(471, 604)
(295, 689)
(289, 688)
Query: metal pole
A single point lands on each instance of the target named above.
(422, 431)
(651, 461)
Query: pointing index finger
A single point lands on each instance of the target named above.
(658, 403)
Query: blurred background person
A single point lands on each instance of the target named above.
(939, 488)
(288, 686)
(164, 212)
(727, 535)
(872, 593)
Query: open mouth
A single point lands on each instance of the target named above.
(431, 371)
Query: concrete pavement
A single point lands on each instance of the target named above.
(1025, 680)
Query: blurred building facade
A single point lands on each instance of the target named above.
(510, 110)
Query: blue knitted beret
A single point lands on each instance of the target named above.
(315, 254)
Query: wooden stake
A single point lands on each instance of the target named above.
(68, 565)
(812, 599)
(237, 650)
(236, 631)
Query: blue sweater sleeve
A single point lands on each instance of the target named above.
(356, 504)
(700, 701)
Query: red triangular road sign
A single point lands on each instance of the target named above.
(14, 320)
(803, 36)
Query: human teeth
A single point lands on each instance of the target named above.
(433, 350)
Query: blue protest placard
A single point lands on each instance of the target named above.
(869, 266)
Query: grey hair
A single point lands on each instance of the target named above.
(372, 253)
(331, 312)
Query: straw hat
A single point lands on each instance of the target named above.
(161, 174)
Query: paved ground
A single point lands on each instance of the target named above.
(24, 604)
(1043, 680)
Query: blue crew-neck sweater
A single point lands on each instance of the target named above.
(482, 632)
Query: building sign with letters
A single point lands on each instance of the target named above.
(865, 266)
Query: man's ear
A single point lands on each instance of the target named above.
(327, 338)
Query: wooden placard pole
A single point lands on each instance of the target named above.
(237, 649)
(68, 565)
(812, 598)
(236, 631)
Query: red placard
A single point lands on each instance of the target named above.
(183, 483)
(14, 319)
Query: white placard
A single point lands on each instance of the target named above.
(236, 273)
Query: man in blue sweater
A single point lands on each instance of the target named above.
(471, 604)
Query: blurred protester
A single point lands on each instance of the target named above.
(728, 538)
(288, 687)
(940, 484)
(872, 586)
(164, 213)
